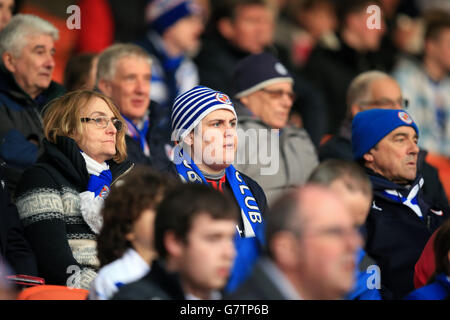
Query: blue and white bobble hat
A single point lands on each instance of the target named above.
(192, 106)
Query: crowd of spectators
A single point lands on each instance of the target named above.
(226, 149)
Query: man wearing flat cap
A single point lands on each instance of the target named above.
(277, 159)
(401, 218)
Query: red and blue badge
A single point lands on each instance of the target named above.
(405, 117)
(222, 97)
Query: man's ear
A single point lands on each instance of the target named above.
(283, 250)
(105, 87)
(368, 156)
(225, 27)
(354, 110)
(173, 245)
(9, 62)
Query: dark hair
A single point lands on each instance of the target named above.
(347, 7)
(332, 169)
(178, 210)
(441, 249)
(280, 216)
(77, 71)
(228, 8)
(142, 189)
(435, 22)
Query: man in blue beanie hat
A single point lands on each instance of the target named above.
(401, 220)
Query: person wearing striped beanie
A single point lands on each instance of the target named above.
(204, 127)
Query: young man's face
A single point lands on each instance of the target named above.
(185, 34)
(357, 201)
(395, 156)
(207, 256)
(252, 28)
(439, 49)
(215, 142)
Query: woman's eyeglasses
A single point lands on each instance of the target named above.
(103, 122)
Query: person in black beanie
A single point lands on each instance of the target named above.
(401, 220)
(263, 90)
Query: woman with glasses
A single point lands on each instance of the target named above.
(60, 197)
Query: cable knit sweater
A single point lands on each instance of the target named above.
(48, 201)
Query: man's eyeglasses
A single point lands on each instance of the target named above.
(386, 103)
(103, 122)
(277, 94)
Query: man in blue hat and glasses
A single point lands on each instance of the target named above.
(401, 219)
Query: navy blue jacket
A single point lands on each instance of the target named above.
(13, 245)
(396, 235)
(21, 122)
(158, 139)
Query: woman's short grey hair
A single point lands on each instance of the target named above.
(359, 89)
(107, 61)
(16, 33)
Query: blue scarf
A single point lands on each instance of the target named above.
(251, 215)
(139, 134)
(248, 242)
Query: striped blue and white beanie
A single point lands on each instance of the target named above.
(192, 106)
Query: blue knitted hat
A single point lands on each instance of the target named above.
(370, 126)
(192, 106)
(161, 14)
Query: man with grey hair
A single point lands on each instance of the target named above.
(26, 68)
(123, 73)
(376, 89)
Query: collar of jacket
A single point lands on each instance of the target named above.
(168, 281)
(9, 86)
(65, 156)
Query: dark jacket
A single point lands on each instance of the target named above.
(20, 122)
(262, 284)
(158, 284)
(396, 235)
(48, 202)
(248, 249)
(339, 146)
(158, 139)
(217, 60)
(13, 245)
(331, 71)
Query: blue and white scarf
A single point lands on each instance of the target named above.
(139, 134)
(251, 215)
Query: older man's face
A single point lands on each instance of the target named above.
(130, 86)
(272, 104)
(395, 156)
(33, 68)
